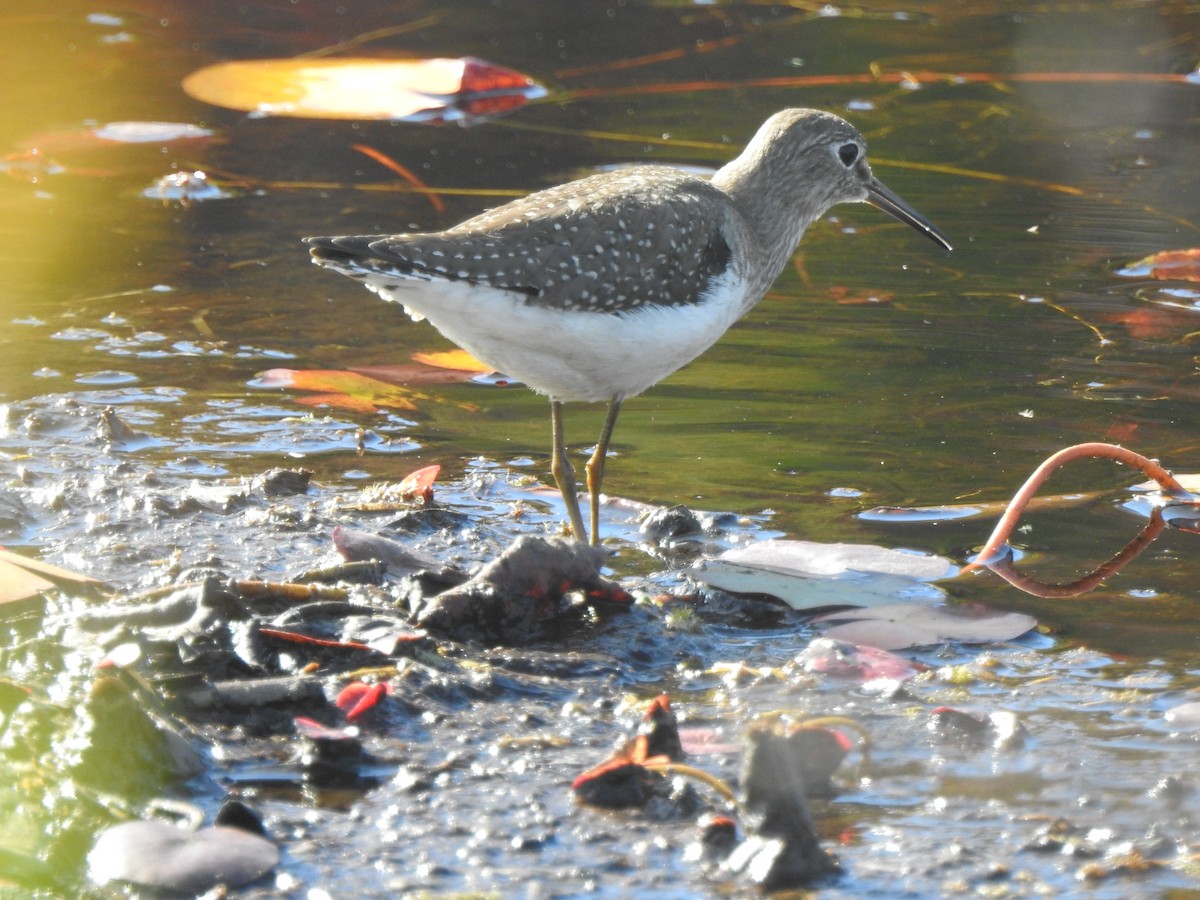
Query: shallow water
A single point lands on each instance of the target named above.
(877, 365)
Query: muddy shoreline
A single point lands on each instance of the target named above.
(459, 777)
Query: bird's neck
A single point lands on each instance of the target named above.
(777, 218)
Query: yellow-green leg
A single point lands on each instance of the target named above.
(564, 475)
(595, 465)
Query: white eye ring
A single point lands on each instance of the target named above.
(848, 153)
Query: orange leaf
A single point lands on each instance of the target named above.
(427, 90)
(459, 360)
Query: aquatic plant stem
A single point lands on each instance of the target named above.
(991, 551)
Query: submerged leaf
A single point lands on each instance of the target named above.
(1156, 323)
(859, 661)
(1167, 265)
(344, 390)
(425, 90)
(903, 625)
(458, 360)
(414, 373)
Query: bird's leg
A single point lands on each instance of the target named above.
(564, 475)
(595, 465)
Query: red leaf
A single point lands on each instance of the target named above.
(357, 697)
(420, 484)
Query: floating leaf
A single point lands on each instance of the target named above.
(22, 577)
(161, 134)
(1167, 265)
(17, 583)
(809, 575)
(911, 514)
(420, 90)
(107, 144)
(903, 625)
(343, 390)
(705, 742)
(151, 132)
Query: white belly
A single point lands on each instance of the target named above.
(571, 355)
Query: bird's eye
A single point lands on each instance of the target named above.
(848, 154)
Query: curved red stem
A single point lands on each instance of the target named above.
(1094, 450)
(1005, 569)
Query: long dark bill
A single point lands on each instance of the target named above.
(882, 198)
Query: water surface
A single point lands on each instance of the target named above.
(877, 363)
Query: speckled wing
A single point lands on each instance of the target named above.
(609, 243)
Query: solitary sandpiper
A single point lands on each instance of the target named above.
(599, 288)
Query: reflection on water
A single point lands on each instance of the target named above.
(878, 373)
